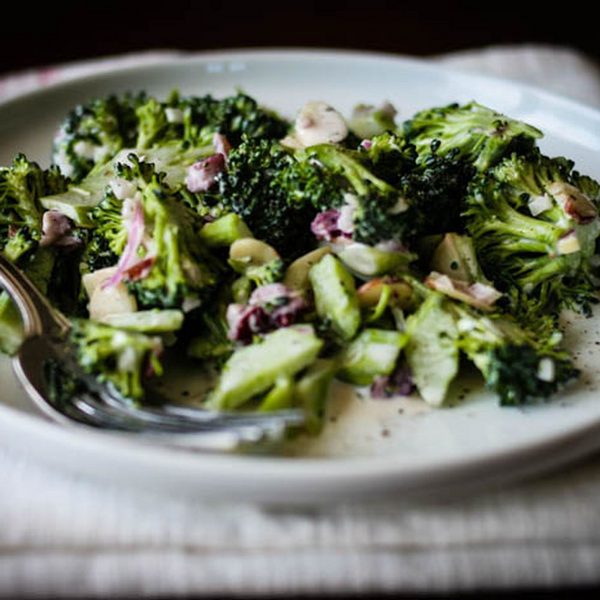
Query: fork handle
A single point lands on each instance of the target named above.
(39, 317)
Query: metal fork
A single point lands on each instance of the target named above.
(46, 339)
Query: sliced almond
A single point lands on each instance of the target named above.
(319, 123)
(297, 274)
(250, 252)
(574, 202)
(369, 293)
(479, 295)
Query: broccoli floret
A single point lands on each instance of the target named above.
(22, 227)
(270, 272)
(434, 186)
(275, 193)
(234, 117)
(535, 230)
(159, 122)
(21, 186)
(108, 236)
(162, 258)
(380, 209)
(389, 156)
(193, 120)
(436, 189)
(93, 133)
(121, 358)
(519, 363)
(473, 132)
(22, 216)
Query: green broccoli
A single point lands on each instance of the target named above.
(433, 185)
(474, 133)
(22, 236)
(379, 209)
(519, 363)
(155, 239)
(21, 186)
(234, 117)
(94, 132)
(276, 194)
(122, 358)
(535, 230)
(194, 120)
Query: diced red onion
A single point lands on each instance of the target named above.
(136, 226)
(270, 307)
(326, 226)
(267, 293)
(245, 321)
(202, 174)
(287, 314)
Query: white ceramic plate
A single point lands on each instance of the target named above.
(369, 449)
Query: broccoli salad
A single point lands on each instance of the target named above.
(283, 254)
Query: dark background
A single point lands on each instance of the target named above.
(49, 33)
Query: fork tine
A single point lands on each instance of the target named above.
(100, 408)
(250, 438)
(141, 418)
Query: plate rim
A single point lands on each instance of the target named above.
(297, 52)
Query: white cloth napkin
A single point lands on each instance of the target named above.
(65, 536)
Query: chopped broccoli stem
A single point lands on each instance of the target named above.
(254, 369)
(431, 349)
(335, 296)
(372, 353)
(311, 393)
(281, 395)
(224, 231)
